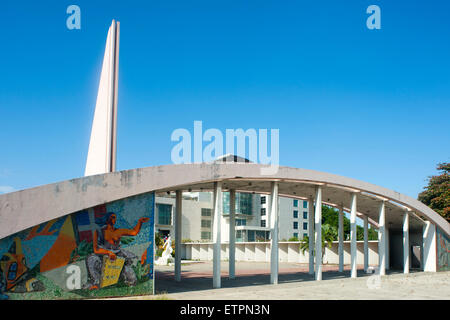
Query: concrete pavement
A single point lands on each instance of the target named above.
(253, 282)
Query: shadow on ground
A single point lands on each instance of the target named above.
(191, 281)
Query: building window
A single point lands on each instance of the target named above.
(263, 211)
(295, 214)
(305, 215)
(164, 213)
(305, 204)
(295, 203)
(241, 222)
(226, 203)
(206, 212)
(245, 201)
(206, 223)
(305, 235)
(295, 235)
(262, 235)
(206, 235)
(263, 200)
(305, 225)
(263, 223)
(295, 225)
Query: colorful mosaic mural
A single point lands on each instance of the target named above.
(443, 251)
(103, 251)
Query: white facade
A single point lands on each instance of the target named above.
(252, 225)
(191, 218)
(293, 218)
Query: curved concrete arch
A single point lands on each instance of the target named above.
(26, 208)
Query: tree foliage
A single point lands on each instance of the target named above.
(329, 234)
(330, 227)
(437, 194)
(330, 216)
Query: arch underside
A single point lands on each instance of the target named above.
(333, 196)
(24, 209)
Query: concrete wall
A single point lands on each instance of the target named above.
(26, 208)
(416, 240)
(396, 249)
(288, 252)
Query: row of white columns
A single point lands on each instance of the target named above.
(217, 203)
(315, 236)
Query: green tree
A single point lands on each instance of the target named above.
(437, 194)
(329, 234)
(331, 216)
(158, 239)
(372, 233)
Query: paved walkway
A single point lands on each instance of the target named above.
(253, 282)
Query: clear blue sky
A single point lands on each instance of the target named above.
(369, 104)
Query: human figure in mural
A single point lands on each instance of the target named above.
(106, 241)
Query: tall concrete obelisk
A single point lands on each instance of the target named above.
(102, 146)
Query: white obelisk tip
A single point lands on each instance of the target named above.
(102, 146)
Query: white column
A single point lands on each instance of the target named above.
(216, 233)
(341, 238)
(366, 243)
(429, 247)
(406, 242)
(232, 246)
(382, 240)
(318, 233)
(274, 233)
(353, 249)
(387, 247)
(311, 234)
(178, 208)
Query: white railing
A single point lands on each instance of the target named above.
(289, 251)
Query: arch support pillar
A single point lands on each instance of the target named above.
(311, 234)
(274, 233)
(353, 248)
(178, 222)
(382, 239)
(232, 246)
(406, 242)
(216, 233)
(366, 243)
(341, 238)
(318, 233)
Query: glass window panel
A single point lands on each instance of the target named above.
(164, 213)
(206, 212)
